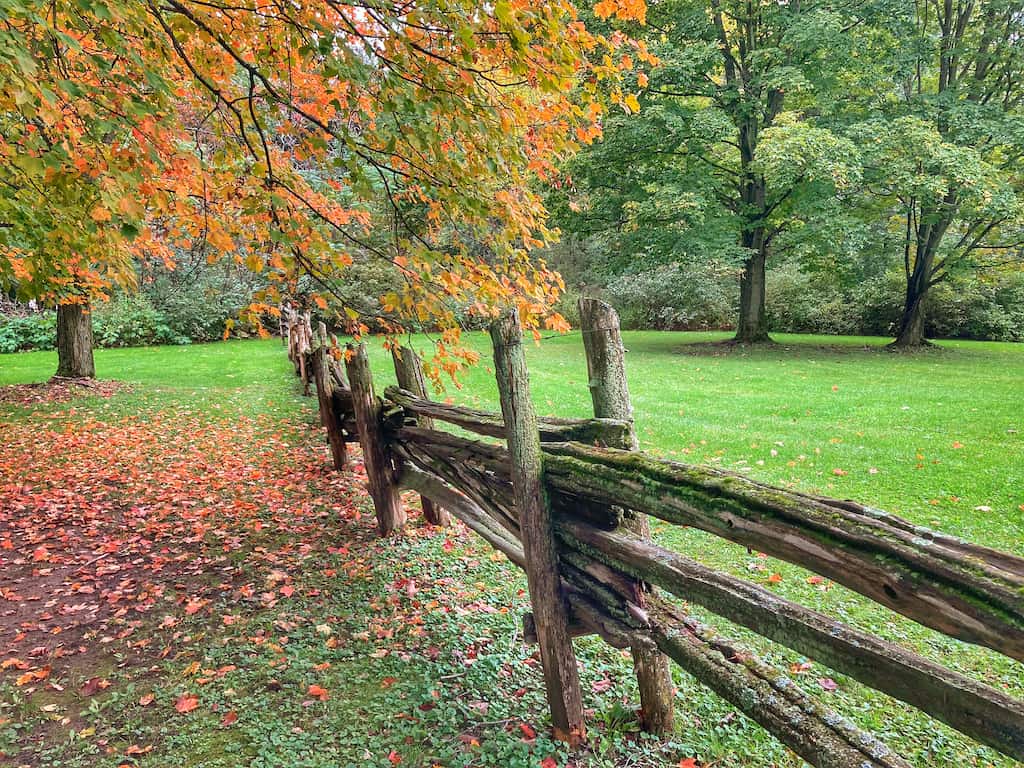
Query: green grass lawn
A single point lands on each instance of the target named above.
(936, 437)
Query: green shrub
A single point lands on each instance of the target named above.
(676, 297)
(132, 321)
(35, 331)
(799, 302)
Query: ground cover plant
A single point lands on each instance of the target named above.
(186, 584)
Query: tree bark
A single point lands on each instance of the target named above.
(911, 330)
(74, 342)
(753, 319)
(752, 327)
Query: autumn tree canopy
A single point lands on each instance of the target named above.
(278, 134)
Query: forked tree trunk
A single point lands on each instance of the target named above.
(911, 332)
(74, 342)
(919, 280)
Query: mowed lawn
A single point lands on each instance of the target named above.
(936, 437)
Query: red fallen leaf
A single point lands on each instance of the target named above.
(317, 692)
(194, 606)
(600, 686)
(186, 703)
(229, 718)
(387, 682)
(146, 699)
(448, 546)
(839, 472)
(528, 733)
(815, 579)
(287, 590)
(691, 762)
(41, 554)
(548, 762)
(94, 685)
(827, 683)
(394, 757)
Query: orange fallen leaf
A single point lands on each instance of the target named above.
(146, 699)
(318, 692)
(186, 703)
(229, 718)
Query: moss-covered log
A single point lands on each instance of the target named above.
(769, 698)
(763, 693)
(606, 431)
(968, 592)
(979, 711)
(976, 597)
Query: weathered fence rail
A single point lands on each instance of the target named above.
(565, 500)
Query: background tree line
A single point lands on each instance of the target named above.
(839, 167)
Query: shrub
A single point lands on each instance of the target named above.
(676, 297)
(132, 321)
(34, 331)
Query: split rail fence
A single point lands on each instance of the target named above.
(567, 501)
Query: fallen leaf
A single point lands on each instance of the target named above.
(318, 692)
(186, 703)
(827, 683)
(229, 718)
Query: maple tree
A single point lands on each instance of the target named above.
(284, 138)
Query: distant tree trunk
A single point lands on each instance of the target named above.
(911, 331)
(74, 342)
(753, 321)
(921, 278)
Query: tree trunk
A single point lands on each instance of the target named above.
(74, 342)
(753, 321)
(911, 331)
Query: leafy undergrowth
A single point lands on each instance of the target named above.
(191, 590)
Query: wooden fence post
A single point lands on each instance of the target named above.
(409, 372)
(561, 677)
(380, 474)
(305, 349)
(330, 418)
(609, 390)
